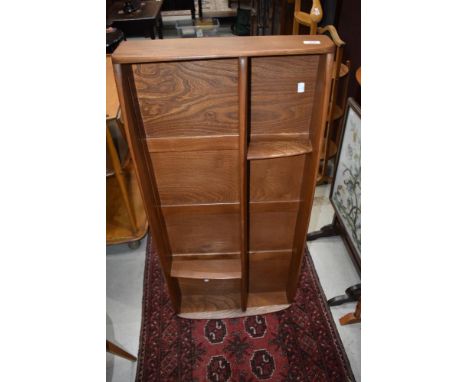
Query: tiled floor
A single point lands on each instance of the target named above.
(125, 281)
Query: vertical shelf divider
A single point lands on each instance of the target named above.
(244, 177)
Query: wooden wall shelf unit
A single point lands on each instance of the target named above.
(226, 135)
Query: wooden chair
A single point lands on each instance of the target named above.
(340, 79)
(310, 19)
(117, 350)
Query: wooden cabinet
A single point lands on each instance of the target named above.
(225, 133)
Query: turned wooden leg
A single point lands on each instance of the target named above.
(295, 27)
(159, 27)
(114, 349)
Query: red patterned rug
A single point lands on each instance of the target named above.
(300, 343)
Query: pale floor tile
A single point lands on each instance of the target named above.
(124, 284)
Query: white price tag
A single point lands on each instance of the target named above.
(311, 42)
(300, 87)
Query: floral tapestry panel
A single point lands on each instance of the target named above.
(346, 195)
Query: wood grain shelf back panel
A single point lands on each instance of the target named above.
(272, 225)
(277, 107)
(206, 255)
(206, 228)
(243, 91)
(316, 131)
(135, 133)
(273, 265)
(277, 179)
(190, 98)
(140, 51)
(197, 177)
(198, 295)
(200, 143)
(278, 149)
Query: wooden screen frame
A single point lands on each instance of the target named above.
(355, 256)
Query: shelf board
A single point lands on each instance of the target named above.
(278, 148)
(220, 269)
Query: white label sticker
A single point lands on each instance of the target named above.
(311, 42)
(300, 87)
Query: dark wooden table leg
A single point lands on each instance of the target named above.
(159, 26)
(117, 350)
(200, 9)
(353, 293)
(151, 30)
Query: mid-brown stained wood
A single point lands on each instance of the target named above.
(271, 265)
(272, 225)
(244, 177)
(200, 143)
(191, 98)
(278, 149)
(225, 134)
(219, 269)
(203, 228)
(277, 107)
(277, 179)
(197, 176)
(138, 51)
(211, 295)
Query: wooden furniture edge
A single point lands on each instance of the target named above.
(310, 174)
(244, 177)
(144, 51)
(234, 313)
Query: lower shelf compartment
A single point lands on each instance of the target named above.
(226, 306)
(207, 306)
(209, 295)
(219, 269)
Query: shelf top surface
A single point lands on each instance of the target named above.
(141, 51)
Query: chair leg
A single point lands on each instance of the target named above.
(295, 27)
(117, 350)
(313, 28)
